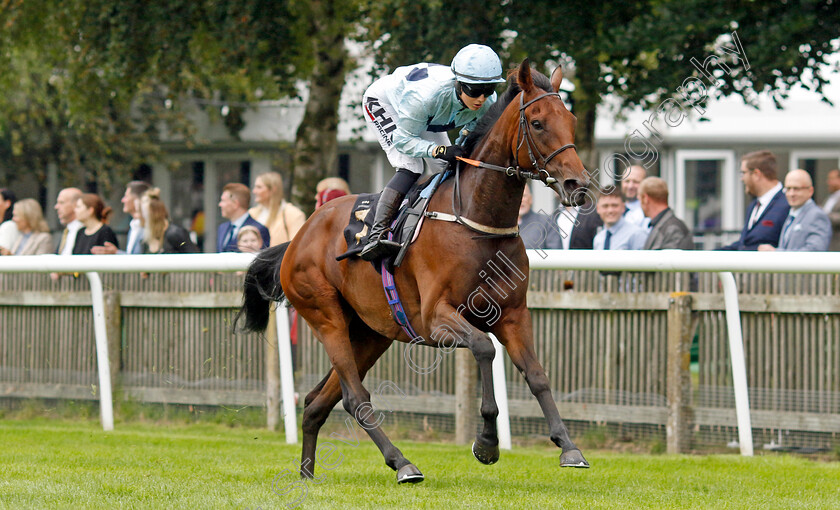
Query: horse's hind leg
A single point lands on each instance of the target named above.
(514, 332)
(323, 398)
(332, 328)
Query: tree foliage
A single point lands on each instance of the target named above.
(636, 52)
(406, 32)
(641, 52)
(96, 85)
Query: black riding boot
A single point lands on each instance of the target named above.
(377, 246)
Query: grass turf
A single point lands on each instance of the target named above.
(74, 464)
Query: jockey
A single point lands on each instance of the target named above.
(411, 111)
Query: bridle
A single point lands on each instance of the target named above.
(523, 136)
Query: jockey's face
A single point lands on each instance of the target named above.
(473, 103)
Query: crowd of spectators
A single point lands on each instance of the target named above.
(635, 214)
(84, 218)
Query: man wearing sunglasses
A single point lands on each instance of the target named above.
(411, 110)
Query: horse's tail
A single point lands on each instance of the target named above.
(262, 286)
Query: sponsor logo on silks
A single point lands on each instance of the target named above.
(384, 124)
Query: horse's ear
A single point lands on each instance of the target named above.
(557, 78)
(526, 83)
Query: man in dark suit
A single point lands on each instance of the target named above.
(234, 204)
(807, 227)
(535, 228)
(667, 231)
(578, 225)
(767, 213)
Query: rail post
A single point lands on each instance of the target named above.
(678, 426)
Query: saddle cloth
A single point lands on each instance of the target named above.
(405, 227)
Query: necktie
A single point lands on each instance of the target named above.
(607, 240)
(229, 235)
(786, 231)
(63, 241)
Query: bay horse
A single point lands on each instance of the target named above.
(344, 302)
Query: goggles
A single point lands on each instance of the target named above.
(478, 89)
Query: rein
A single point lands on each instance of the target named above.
(523, 135)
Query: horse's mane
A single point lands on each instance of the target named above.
(489, 119)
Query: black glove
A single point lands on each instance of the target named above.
(449, 152)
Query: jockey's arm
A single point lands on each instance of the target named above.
(414, 114)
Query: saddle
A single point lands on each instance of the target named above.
(406, 225)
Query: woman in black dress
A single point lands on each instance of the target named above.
(93, 213)
(159, 234)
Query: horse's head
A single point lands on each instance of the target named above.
(546, 136)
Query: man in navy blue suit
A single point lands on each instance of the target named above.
(234, 204)
(767, 213)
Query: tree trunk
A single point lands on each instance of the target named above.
(586, 100)
(316, 142)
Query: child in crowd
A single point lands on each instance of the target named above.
(249, 240)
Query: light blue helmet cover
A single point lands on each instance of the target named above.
(477, 63)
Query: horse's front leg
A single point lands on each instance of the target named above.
(514, 332)
(450, 330)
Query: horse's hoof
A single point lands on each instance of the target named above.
(485, 454)
(573, 458)
(409, 474)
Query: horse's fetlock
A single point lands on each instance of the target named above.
(489, 411)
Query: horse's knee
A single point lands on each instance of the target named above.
(538, 382)
(483, 351)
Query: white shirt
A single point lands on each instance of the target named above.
(635, 215)
(236, 225)
(135, 235)
(8, 234)
(565, 223)
(763, 200)
(72, 229)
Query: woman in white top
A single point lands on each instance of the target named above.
(35, 236)
(282, 219)
(9, 233)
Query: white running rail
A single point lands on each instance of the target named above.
(722, 262)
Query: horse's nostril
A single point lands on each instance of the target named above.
(575, 191)
(571, 185)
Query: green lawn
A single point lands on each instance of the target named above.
(74, 464)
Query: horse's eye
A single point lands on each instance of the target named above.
(536, 124)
